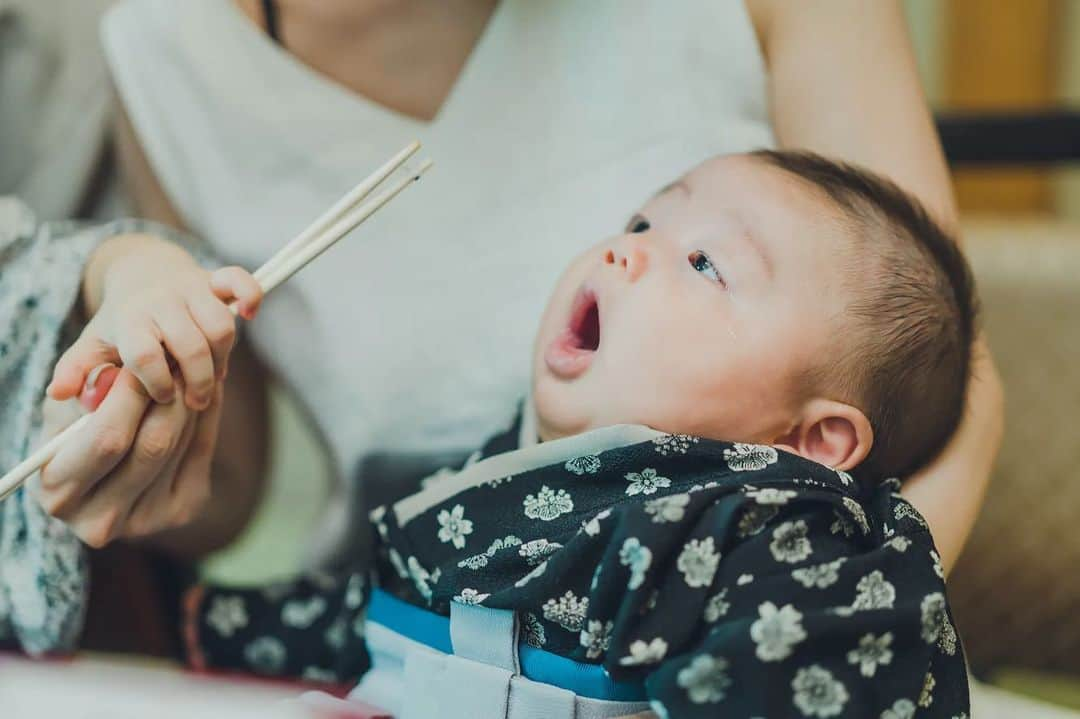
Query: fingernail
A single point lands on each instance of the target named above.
(94, 374)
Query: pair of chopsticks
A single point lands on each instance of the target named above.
(320, 235)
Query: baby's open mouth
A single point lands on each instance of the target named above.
(571, 352)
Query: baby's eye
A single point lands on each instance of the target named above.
(701, 263)
(637, 225)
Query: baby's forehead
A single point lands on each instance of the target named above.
(766, 195)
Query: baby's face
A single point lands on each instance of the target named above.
(702, 317)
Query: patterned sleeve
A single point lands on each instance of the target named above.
(310, 629)
(801, 614)
(43, 570)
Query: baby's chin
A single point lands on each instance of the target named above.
(559, 413)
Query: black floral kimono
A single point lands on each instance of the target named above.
(731, 579)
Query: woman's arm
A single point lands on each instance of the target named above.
(184, 480)
(241, 458)
(844, 83)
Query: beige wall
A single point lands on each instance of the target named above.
(1068, 184)
(927, 18)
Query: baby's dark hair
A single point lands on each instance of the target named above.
(906, 358)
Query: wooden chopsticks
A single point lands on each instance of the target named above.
(345, 215)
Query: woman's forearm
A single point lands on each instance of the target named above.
(950, 490)
(844, 83)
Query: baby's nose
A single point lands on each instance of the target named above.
(632, 259)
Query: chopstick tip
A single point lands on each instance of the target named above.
(424, 167)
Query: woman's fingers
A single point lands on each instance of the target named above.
(218, 326)
(236, 283)
(92, 453)
(181, 490)
(152, 511)
(188, 346)
(142, 353)
(75, 364)
(106, 511)
(192, 486)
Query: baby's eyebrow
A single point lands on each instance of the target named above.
(677, 185)
(760, 251)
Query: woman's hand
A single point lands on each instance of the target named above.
(142, 465)
(137, 468)
(150, 301)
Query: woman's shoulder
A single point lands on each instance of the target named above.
(137, 31)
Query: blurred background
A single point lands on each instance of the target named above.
(1004, 55)
(1003, 77)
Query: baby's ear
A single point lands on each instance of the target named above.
(830, 433)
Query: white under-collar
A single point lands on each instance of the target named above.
(528, 435)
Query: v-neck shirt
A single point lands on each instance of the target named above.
(414, 334)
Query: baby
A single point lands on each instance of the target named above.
(676, 501)
(774, 298)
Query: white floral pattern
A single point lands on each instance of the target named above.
(548, 504)
(421, 578)
(904, 510)
(771, 495)
(638, 558)
(874, 592)
(900, 543)
(667, 509)
(776, 632)
(318, 674)
(717, 606)
(479, 561)
(642, 653)
(538, 550)
(647, 482)
(592, 526)
(901, 709)
(821, 576)
(790, 543)
(453, 527)
(935, 558)
(705, 679)
(568, 611)
(871, 652)
(857, 512)
(354, 591)
(538, 570)
(226, 615)
(749, 457)
(266, 655)
(336, 634)
(698, 562)
(841, 525)
(755, 518)
(818, 693)
(671, 444)
(302, 613)
(588, 464)
(470, 596)
(936, 626)
(926, 696)
(596, 637)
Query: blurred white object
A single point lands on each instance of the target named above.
(54, 102)
(989, 702)
(95, 687)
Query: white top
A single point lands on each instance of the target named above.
(415, 333)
